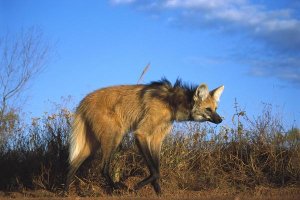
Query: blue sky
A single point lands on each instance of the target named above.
(250, 46)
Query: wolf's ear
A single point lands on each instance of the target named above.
(216, 93)
(201, 93)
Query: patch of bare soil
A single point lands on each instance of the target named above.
(261, 193)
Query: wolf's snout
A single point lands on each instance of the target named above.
(219, 120)
(216, 119)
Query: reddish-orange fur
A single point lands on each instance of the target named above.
(104, 116)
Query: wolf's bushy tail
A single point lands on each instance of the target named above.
(77, 138)
(80, 147)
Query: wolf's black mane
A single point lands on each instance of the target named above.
(178, 96)
(179, 84)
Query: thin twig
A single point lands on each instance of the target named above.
(143, 73)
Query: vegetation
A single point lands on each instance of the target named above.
(195, 156)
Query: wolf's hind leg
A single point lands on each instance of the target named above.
(109, 144)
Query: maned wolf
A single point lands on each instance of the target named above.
(104, 116)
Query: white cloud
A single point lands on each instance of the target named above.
(203, 4)
(257, 20)
(283, 67)
(269, 26)
(278, 30)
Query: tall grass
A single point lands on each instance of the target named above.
(253, 152)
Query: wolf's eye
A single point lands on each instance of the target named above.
(208, 109)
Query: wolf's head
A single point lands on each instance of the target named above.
(206, 103)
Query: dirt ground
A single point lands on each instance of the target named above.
(261, 193)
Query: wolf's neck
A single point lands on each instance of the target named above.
(182, 115)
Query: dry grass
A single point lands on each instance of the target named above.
(254, 158)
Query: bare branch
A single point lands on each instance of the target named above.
(21, 59)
